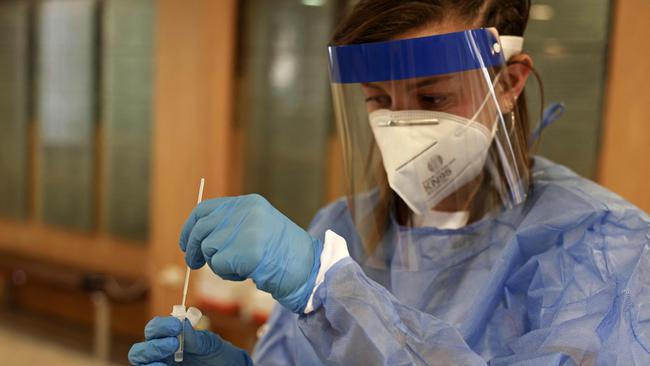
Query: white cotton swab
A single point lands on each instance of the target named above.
(179, 310)
(187, 272)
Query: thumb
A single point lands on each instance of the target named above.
(200, 342)
(206, 343)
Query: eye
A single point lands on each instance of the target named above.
(379, 101)
(435, 102)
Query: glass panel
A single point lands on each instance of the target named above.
(284, 101)
(127, 113)
(14, 94)
(66, 110)
(568, 43)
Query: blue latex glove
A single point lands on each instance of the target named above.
(202, 348)
(245, 237)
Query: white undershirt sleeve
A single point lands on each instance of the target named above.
(335, 248)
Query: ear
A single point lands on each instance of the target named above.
(515, 77)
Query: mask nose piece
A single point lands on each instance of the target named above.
(388, 123)
(412, 122)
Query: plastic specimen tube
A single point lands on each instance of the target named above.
(179, 313)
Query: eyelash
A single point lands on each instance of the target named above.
(379, 99)
(434, 99)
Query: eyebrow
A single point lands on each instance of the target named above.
(433, 80)
(372, 86)
(419, 84)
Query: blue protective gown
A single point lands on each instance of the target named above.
(563, 279)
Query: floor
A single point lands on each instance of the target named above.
(29, 339)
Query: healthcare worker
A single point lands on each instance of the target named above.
(454, 246)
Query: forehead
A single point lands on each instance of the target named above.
(448, 25)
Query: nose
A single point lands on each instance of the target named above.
(403, 100)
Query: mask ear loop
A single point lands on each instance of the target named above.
(495, 124)
(511, 173)
(509, 129)
(513, 122)
(533, 144)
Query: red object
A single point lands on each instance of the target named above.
(260, 318)
(219, 307)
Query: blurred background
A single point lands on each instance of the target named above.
(112, 110)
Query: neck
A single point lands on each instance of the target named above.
(462, 199)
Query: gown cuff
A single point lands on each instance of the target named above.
(335, 248)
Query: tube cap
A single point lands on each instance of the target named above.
(179, 311)
(194, 315)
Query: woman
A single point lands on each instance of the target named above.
(455, 245)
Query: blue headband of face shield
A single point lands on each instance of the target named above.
(415, 57)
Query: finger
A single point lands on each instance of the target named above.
(202, 210)
(219, 240)
(230, 228)
(220, 219)
(231, 264)
(162, 327)
(153, 350)
(187, 229)
(194, 256)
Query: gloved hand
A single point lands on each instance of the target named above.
(202, 348)
(245, 237)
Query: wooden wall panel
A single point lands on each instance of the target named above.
(625, 164)
(95, 253)
(192, 127)
(76, 307)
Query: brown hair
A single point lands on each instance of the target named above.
(380, 20)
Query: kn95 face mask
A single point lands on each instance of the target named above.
(429, 155)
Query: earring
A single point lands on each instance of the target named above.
(512, 122)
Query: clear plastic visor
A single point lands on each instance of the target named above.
(429, 130)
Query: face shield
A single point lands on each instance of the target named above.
(428, 125)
